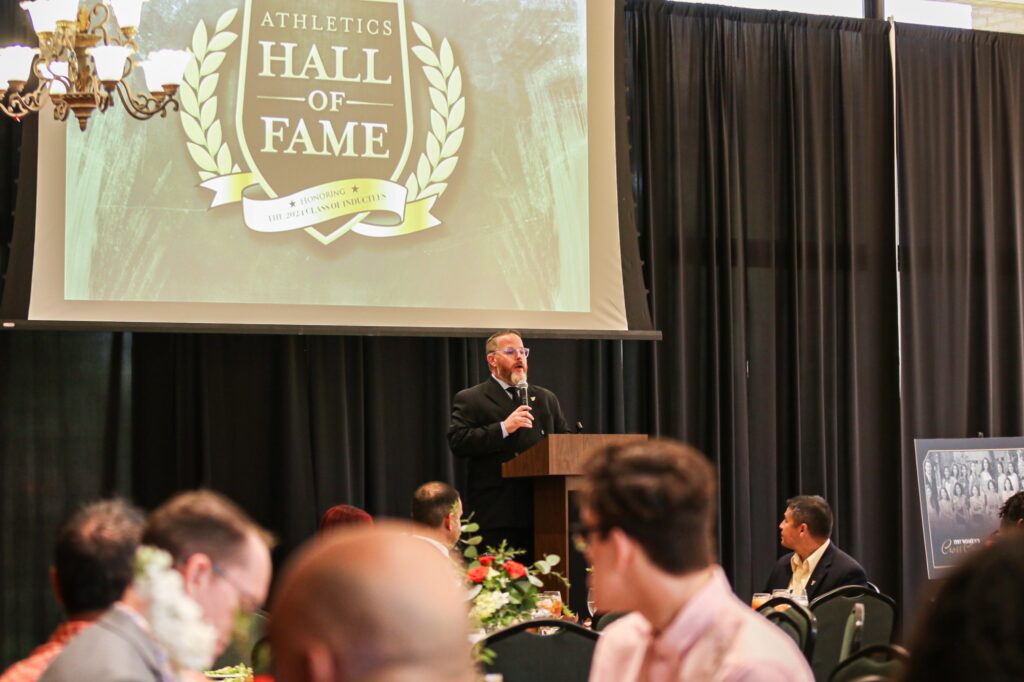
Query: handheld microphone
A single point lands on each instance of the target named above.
(524, 392)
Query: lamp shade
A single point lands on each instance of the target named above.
(43, 14)
(50, 72)
(16, 62)
(109, 61)
(170, 65)
(65, 10)
(127, 12)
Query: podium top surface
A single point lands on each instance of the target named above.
(563, 454)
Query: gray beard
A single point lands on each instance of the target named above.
(517, 378)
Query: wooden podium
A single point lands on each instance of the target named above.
(555, 464)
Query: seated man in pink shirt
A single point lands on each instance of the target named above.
(648, 514)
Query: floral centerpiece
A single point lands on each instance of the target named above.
(503, 591)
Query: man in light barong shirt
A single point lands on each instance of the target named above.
(648, 523)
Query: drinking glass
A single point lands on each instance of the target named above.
(759, 599)
(591, 602)
(551, 602)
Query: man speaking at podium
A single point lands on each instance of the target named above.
(493, 422)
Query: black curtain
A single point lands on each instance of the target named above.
(765, 165)
(961, 186)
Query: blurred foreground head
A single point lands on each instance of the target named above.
(974, 628)
(371, 604)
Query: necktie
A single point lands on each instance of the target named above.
(513, 393)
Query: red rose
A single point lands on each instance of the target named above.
(515, 569)
(477, 574)
(486, 560)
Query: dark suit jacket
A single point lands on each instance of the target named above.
(112, 650)
(836, 568)
(475, 433)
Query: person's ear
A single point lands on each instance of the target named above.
(196, 571)
(56, 586)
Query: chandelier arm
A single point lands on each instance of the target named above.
(101, 26)
(19, 105)
(143, 107)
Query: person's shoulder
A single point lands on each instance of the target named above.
(761, 646)
(98, 653)
(472, 391)
(629, 628)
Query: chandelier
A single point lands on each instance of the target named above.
(83, 59)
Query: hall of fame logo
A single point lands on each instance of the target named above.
(326, 97)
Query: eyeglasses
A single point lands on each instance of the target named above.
(512, 352)
(248, 601)
(581, 533)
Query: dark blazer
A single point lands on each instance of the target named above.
(112, 650)
(836, 568)
(475, 434)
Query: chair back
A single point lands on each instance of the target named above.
(879, 662)
(853, 633)
(833, 610)
(607, 619)
(524, 656)
(795, 620)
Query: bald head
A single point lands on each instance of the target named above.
(371, 604)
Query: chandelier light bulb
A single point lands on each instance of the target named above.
(16, 63)
(43, 14)
(127, 12)
(110, 61)
(172, 64)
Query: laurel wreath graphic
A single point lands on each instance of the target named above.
(198, 103)
(438, 161)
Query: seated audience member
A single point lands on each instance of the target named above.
(371, 603)
(648, 512)
(437, 506)
(1011, 514)
(973, 628)
(815, 564)
(343, 515)
(92, 566)
(223, 558)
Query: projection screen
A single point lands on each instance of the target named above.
(370, 163)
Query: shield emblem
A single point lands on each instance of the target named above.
(323, 96)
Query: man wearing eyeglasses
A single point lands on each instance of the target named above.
(223, 559)
(493, 422)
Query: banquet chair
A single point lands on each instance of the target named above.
(879, 662)
(524, 656)
(833, 610)
(607, 619)
(795, 620)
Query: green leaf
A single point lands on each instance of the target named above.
(470, 553)
(455, 86)
(214, 136)
(473, 542)
(199, 41)
(535, 581)
(206, 175)
(413, 189)
(439, 101)
(202, 157)
(543, 567)
(189, 103)
(435, 78)
(212, 63)
(552, 560)
(192, 72)
(458, 112)
(426, 55)
(437, 125)
(423, 175)
(471, 527)
(423, 35)
(225, 19)
(433, 149)
(192, 129)
(437, 188)
(209, 113)
(236, 168)
(447, 59)
(221, 41)
(444, 170)
(207, 87)
(452, 144)
(224, 160)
